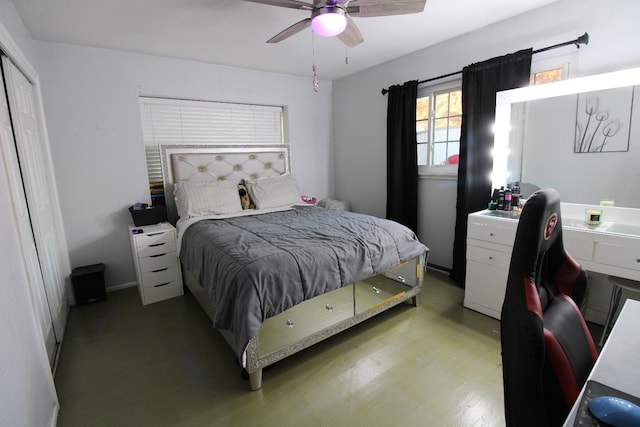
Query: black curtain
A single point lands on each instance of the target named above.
(480, 82)
(402, 155)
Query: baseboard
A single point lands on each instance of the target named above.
(121, 286)
(439, 268)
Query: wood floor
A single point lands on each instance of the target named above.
(122, 364)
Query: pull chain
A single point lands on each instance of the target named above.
(314, 68)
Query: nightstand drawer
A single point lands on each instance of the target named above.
(157, 247)
(163, 275)
(155, 238)
(162, 291)
(157, 262)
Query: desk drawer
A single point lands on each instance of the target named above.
(503, 234)
(579, 245)
(618, 255)
(488, 256)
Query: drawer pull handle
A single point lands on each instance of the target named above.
(490, 257)
(290, 323)
(402, 279)
(491, 234)
(329, 307)
(376, 290)
(155, 256)
(155, 234)
(157, 244)
(159, 270)
(161, 284)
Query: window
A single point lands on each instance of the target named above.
(438, 122)
(178, 121)
(439, 115)
(546, 76)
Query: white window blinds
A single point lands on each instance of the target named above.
(173, 121)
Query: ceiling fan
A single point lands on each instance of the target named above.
(333, 17)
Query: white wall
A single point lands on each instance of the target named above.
(27, 393)
(91, 102)
(360, 110)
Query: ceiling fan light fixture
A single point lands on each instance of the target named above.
(328, 21)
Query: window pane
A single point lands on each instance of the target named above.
(440, 134)
(547, 76)
(455, 104)
(422, 154)
(422, 137)
(442, 105)
(422, 126)
(422, 108)
(454, 148)
(439, 154)
(454, 134)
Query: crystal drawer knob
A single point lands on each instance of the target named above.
(329, 307)
(290, 323)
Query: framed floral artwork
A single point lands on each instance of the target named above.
(603, 121)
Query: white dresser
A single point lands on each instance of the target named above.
(490, 237)
(612, 248)
(156, 262)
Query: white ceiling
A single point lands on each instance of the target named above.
(233, 32)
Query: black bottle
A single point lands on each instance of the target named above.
(501, 199)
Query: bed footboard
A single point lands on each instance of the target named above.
(319, 318)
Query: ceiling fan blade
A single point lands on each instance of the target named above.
(291, 4)
(370, 8)
(294, 29)
(351, 36)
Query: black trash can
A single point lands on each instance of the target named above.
(88, 283)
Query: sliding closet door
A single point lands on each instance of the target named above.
(38, 180)
(23, 225)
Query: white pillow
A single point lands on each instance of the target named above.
(198, 198)
(274, 192)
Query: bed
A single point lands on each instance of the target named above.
(281, 275)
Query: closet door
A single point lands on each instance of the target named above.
(23, 225)
(38, 181)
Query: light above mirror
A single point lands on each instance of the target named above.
(537, 127)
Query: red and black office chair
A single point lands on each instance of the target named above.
(547, 350)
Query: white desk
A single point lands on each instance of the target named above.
(618, 365)
(613, 248)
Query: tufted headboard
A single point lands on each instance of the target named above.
(218, 162)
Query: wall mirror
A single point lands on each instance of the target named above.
(580, 136)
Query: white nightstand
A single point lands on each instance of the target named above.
(156, 262)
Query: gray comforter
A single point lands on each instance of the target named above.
(255, 267)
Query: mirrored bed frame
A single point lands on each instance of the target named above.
(314, 319)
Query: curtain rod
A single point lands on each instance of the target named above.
(583, 39)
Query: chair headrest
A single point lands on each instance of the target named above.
(539, 228)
